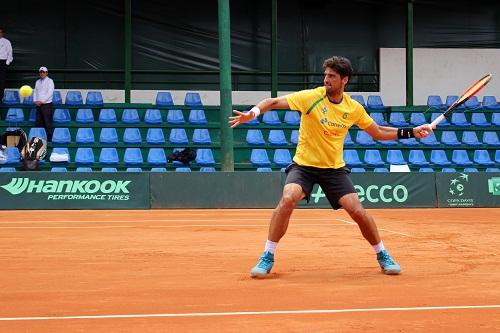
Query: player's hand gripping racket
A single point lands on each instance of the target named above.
(471, 91)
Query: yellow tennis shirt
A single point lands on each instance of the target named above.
(324, 126)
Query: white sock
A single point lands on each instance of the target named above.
(379, 247)
(270, 246)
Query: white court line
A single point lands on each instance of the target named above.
(254, 313)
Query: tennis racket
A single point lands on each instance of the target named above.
(471, 91)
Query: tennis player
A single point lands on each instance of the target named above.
(327, 114)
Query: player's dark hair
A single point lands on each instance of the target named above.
(341, 65)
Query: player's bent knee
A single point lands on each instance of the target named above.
(358, 214)
(289, 201)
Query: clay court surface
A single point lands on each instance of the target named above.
(187, 271)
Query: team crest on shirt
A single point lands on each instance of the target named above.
(324, 110)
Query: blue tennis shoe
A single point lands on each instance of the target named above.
(263, 267)
(387, 264)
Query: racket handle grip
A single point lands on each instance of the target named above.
(436, 121)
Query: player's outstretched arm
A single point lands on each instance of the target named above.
(261, 107)
(393, 133)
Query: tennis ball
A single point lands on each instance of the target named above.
(25, 91)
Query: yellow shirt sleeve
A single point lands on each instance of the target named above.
(299, 101)
(364, 120)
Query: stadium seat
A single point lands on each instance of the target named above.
(109, 170)
(426, 170)
(380, 170)
(448, 170)
(398, 119)
(356, 170)
(179, 163)
(7, 169)
(259, 157)
(207, 169)
(37, 132)
(438, 157)
(347, 140)
(60, 155)
(388, 142)
(57, 98)
(430, 140)
(107, 116)
(417, 158)
(197, 117)
(378, 117)
(175, 117)
(164, 98)
(14, 115)
(292, 118)
(364, 139)
(417, 119)
(205, 157)
(108, 156)
(155, 136)
(470, 138)
(158, 169)
(360, 99)
(271, 118)
(490, 103)
(435, 102)
(84, 116)
(351, 157)
(84, 169)
(84, 156)
(459, 119)
(282, 157)
(395, 157)
(373, 158)
(460, 157)
(277, 138)
(491, 139)
(495, 119)
(156, 156)
(469, 170)
(255, 137)
(449, 138)
(133, 156)
(32, 116)
(61, 116)
(29, 100)
(487, 170)
(294, 137)
(108, 136)
(74, 97)
(178, 136)
(201, 136)
(153, 116)
(264, 170)
(133, 170)
(472, 103)
(409, 142)
(479, 119)
(443, 123)
(192, 99)
(130, 116)
(94, 98)
(482, 157)
(59, 169)
(497, 156)
(12, 155)
(182, 169)
(374, 102)
(451, 99)
(61, 135)
(11, 97)
(132, 136)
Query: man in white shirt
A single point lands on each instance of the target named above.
(5, 60)
(44, 89)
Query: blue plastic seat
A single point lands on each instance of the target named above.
(182, 169)
(59, 169)
(271, 118)
(469, 170)
(356, 170)
(409, 142)
(426, 170)
(175, 117)
(61, 151)
(84, 169)
(435, 102)
(7, 169)
(156, 156)
(277, 138)
(197, 117)
(482, 157)
(133, 170)
(12, 155)
(417, 158)
(398, 119)
(449, 138)
(108, 136)
(438, 157)
(430, 140)
(37, 132)
(132, 136)
(388, 142)
(491, 139)
(374, 102)
(109, 170)
(32, 116)
(74, 97)
(417, 119)
(497, 156)
(448, 170)
(84, 156)
(380, 170)
(470, 138)
(292, 118)
(347, 140)
(201, 136)
(192, 99)
(294, 137)
(373, 158)
(378, 117)
(472, 103)
(57, 98)
(255, 137)
(61, 135)
(351, 158)
(395, 157)
(451, 99)
(61, 116)
(14, 115)
(133, 156)
(364, 139)
(459, 119)
(29, 100)
(479, 119)
(205, 157)
(282, 157)
(207, 169)
(460, 157)
(178, 136)
(153, 116)
(487, 170)
(130, 116)
(264, 169)
(164, 98)
(259, 157)
(107, 116)
(443, 123)
(11, 97)
(94, 98)
(360, 99)
(490, 103)
(155, 136)
(495, 119)
(108, 156)
(158, 169)
(84, 116)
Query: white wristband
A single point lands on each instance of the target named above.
(256, 111)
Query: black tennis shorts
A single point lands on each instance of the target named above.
(335, 183)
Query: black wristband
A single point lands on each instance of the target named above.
(405, 133)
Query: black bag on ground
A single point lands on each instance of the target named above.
(14, 137)
(184, 156)
(31, 154)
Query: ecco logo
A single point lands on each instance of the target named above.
(373, 193)
(20, 185)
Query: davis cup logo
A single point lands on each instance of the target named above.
(456, 189)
